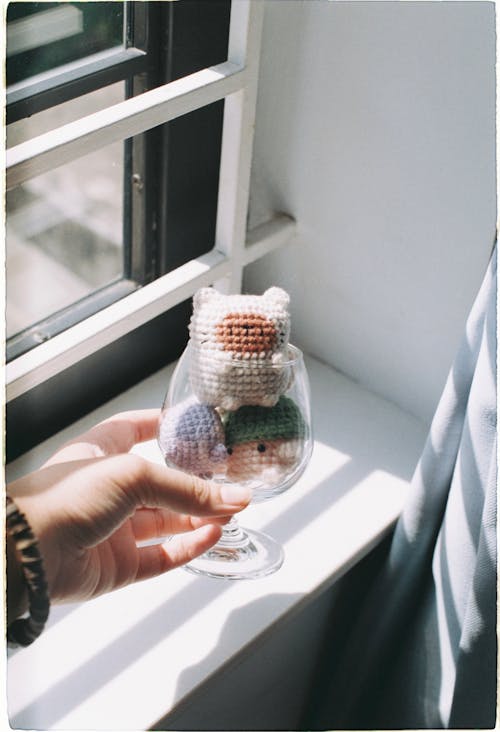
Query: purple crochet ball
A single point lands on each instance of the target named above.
(191, 438)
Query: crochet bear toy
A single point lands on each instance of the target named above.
(237, 343)
(191, 438)
(264, 443)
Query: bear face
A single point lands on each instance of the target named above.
(265, 443)
(268, 462)
(238, 343)
(246, 333)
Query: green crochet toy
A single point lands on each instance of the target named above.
(264, 442)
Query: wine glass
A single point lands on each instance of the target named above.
(210, 433)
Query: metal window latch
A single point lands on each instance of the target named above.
(137, 181)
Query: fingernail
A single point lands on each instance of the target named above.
(235, 495)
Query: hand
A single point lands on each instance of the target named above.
(92, 502)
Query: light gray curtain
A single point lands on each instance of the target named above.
(422, 650)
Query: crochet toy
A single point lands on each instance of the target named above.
(264, 443)
(237, 344)
(191, 438)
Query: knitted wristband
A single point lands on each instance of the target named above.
(24, 631)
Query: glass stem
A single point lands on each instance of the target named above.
(233, 535)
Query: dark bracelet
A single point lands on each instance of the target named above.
(23, 631)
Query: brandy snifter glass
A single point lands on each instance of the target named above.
(264, 447)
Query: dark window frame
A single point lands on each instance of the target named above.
(86, 75)
(158, 237)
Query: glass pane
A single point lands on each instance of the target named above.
(64, 228)
(62, 114)
(44, 35)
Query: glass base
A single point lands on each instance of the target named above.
(240, 554)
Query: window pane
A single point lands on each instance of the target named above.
(64, 229)
(42, 36)
(62, 114)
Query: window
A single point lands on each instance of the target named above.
(43, 36)
(79, 235)
(176, 214)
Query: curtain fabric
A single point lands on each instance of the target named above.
(422, 651)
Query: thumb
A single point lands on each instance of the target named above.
(157, 486)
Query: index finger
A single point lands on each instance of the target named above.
(115, 435)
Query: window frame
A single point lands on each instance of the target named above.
(104, 342)
(83, 77)
(147, 165)
(88, 74)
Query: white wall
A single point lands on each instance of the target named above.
(375, 130)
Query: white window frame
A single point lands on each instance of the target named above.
(235, 81)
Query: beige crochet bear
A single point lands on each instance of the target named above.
(239, 344)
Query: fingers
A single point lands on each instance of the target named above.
(155, 523)
(113, 436)
(156, 486)
(160, 558)
(106, 492)
(133, 427)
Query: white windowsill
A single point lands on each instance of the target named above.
(125, 660)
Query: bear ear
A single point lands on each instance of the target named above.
(277, 296)
(204, 295)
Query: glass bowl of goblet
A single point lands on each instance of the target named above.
(245, 421)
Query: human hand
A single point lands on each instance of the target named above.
(93, 501)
